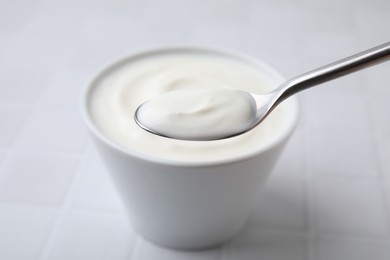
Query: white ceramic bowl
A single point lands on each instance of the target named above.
(189, 205)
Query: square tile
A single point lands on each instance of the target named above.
(266, 244)
(332, 16)
(6, 43)
(342, 151)
(341, 103)
(369, 19)
(102, 27)
(349, 206)
(35, 178)
(60, 22)
(338, 41)
(281, 204)
(92, 54)
(134, 9)
(377, 80)
(184, 12)
(94, 189)
(383, 155)
(288, 62)
(3, 154)
(308, 114)
(227, 12)
(387, 194)
(145, 250)
(21, 85)
(12, 120)
(218, 35)
(363, 5)
(292, 162)
(66, 86)
(352, 248)
(24, 231)
(27, 68)
(16, 15)
(280, 39)
(84, 235)
(55, 128)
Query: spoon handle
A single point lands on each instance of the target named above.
(335, 70)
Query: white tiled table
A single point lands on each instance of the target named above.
(329, 196)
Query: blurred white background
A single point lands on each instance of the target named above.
(328, 198)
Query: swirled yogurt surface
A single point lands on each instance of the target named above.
(198, 114)
(120, 90)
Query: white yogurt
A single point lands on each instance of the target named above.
(199, 114)
(120, 90)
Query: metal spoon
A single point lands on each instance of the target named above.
(265, 103)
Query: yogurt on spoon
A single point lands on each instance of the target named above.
(198, 114)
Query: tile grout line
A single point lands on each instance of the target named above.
(313, 228)
(223, 251)
(58, 66)
(312, 221)
(135, 244)
(61, 212)
(384, 194)
(44, 254)
(381, 175)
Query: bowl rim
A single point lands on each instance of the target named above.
(112, 66)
